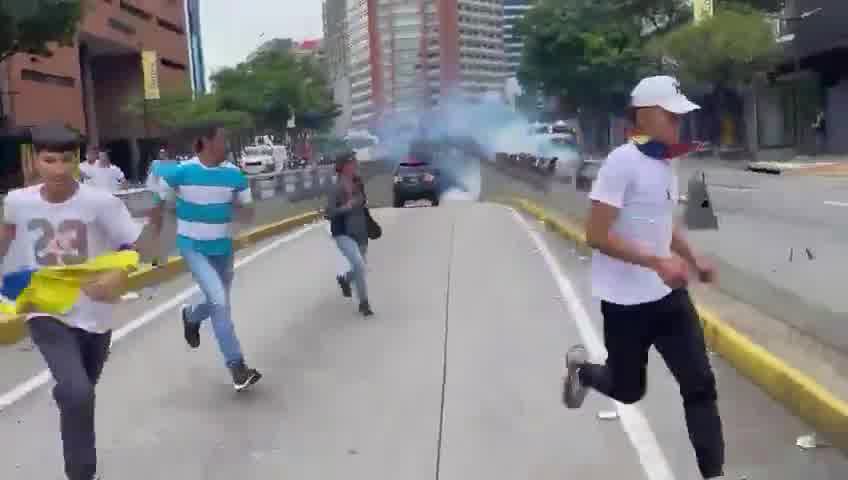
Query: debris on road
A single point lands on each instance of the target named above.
(811, 441)
(130, 297)
(608, 415)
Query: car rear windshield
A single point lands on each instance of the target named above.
(410, 168)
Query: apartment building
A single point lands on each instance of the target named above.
(514, 11)
(405, 55)
(88, 85)
(336, 61)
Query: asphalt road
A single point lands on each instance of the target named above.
(764, 220)
(457, 376)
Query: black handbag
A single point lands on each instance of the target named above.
(375, 231)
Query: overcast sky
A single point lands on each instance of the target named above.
(232, 29)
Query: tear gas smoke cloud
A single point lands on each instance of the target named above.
(468, 132)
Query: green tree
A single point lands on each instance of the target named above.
(585, 53)
(178, 109)
(273, 86)
(31, 25)
(726, 49)
(721, 53)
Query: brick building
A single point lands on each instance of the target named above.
(89, 85)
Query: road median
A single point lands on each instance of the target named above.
(13, 328)
(796, 390)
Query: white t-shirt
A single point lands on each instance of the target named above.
(645, 191)
(85, 169)
(90, 223)
(107, 178)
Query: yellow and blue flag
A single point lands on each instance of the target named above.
(56, 289)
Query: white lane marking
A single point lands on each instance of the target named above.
(635, 424)
(835, 203)
(25, 388)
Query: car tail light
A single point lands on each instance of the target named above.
(429, 178)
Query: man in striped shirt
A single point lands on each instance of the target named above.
(208, 193)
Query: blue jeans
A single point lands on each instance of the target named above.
(355, 254)
(214, 276)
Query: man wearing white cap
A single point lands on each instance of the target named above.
(640, 269)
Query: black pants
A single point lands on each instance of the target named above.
(672, 326)
(75, 358)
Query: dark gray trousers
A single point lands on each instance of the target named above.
(75, 358)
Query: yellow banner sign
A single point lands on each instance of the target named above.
(150, 67)
(703, 9)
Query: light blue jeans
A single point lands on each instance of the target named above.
(356, 255)
(214, 276)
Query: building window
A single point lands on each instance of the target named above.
(135, 11)
(121, 26)
(170, 26)
(41, 77)
(173, 64)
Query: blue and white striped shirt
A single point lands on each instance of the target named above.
(205, 197)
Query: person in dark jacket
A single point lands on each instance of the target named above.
(346, 205)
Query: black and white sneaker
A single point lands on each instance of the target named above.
(574, 392)
(191, 330)
(344, 284)
(365, 309)
(244, 377)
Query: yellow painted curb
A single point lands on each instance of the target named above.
(788, 385)
(13, 328)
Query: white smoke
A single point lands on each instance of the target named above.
(487, 123)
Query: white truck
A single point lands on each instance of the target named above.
(264, 157)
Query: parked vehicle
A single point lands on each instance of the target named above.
(258, 159)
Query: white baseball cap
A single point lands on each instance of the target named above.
(664, 92)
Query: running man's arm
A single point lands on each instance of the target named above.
(680, 245)
(164, 191)
(119, 176)
(333, 207)
(115, 219)
(607, 199)
(8, 228)
(7, 236)
(243, 202)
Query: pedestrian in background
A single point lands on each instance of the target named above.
(640, 270)
(105, 175)
(346, 210)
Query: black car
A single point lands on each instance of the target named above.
(415, 180)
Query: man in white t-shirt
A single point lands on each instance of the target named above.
(92, 155)
(61, 222)
(105, 175)
(640, 269)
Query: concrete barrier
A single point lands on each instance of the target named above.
(797, 391)
(13, 328)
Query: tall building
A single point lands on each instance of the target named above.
(88, 85)
(409, 54)
(198, 66)
(514, 11)
(336, 59)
